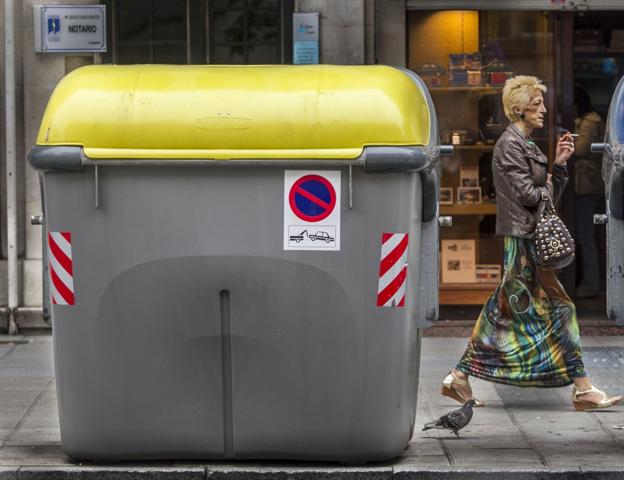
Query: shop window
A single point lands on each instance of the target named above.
(599, 55)
(250, 31)
(155, 31)
(468, 57)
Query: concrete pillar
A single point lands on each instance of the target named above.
(19, 150)
(41, 72)
(3, 205)
(370, 53)
(342, 29)
(390, 32)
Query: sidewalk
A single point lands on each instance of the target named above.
(527, 433)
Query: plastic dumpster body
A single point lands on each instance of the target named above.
(183, 327)
(613, 175)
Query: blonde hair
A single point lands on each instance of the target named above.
(517, 93)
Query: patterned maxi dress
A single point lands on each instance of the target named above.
(527, 333)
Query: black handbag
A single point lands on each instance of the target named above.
(553, 242)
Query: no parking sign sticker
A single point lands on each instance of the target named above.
(311, 210)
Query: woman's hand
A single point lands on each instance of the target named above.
(565, 149)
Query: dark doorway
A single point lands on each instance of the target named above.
(597, 65)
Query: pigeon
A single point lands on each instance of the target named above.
(455, 420)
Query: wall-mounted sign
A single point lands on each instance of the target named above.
(305, 38)
(70, 28)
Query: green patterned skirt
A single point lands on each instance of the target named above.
(527, 333)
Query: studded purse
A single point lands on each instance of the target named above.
(553, 242)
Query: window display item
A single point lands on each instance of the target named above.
(473, 61)
(486, 179)
(432, 74)
(458, 77)
(492, 120)
(464, 69)
(458, 74)
(474, 77)
(446, 196)
(617, 40)
(588, 40)
(469, 195)
(469, 176)
(488, 273)
(458, 261)
(458, 137)
(493, 50)
(496, 73)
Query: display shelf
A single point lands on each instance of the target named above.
(474, 147)
(467, 88)
(465, 293)
(471, 209)
(468, 286)
(598, 53)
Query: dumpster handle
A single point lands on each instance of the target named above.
(597, 147)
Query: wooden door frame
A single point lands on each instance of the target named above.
(564, 105)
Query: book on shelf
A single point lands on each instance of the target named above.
(488, 273)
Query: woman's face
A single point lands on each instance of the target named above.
(535, 111)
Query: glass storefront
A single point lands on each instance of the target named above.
(465, 56)
(597, 65)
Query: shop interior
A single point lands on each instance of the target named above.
(465, 57)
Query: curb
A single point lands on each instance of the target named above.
(301, 473)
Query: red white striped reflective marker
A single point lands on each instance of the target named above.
(392, 270)
(61, 268)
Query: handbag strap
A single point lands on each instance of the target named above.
(548, 202)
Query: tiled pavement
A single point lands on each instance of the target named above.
(532, 433)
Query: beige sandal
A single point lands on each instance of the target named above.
(582, 405)
(449, 390)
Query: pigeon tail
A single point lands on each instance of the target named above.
(434, 424)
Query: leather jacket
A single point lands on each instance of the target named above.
(520, 176)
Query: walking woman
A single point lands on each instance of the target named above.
(527, 334)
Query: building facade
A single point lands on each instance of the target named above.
(561, 41)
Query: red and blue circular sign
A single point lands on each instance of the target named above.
(312, 198)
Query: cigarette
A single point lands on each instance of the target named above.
(574, 134)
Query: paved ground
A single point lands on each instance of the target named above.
(532, 433)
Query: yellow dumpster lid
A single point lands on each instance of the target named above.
(223, 112)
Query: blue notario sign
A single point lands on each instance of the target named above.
(65, 28)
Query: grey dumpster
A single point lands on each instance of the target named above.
(613, 173)
(240, 259)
